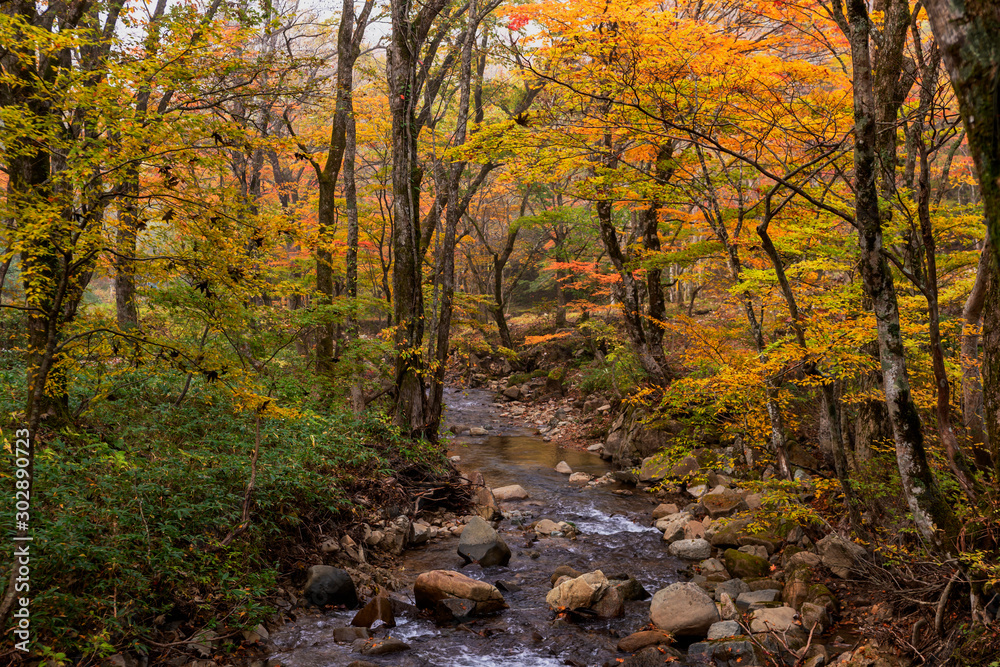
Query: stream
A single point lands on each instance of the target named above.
(615, 537)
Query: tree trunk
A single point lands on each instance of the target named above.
(930, 510)
(991, 365)
(972, 385)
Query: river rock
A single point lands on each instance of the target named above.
(378, 610)
(734, 652)
(512, 492)
(713, 567)
(839, 554)
(421, 533)
(734, 588)
(640, 640)
(724, 629)
(384, 646)
(546, 527)
(563, 467)
(349, 635)
(436, 585)
(611, 604)
(723, 502)
(673, 526)
(754, 550)
(694, 530)
(683, 609)
(326, 585)
(629, 587)
(563, 571)
(580, 478)
(755, 599)
(690, 549)
(744, 565)
(801, 557)
(512, 393)
(480, 543)
(583, 592)
(727, 608)
(664, 509)
(776, 619)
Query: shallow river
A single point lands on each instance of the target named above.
(615, 537)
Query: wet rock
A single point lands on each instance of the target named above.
(563, 571)
(378, 611)
(653, 656)
(629, 587)
(735, 652)
(744, 565)
(683, 609)
(480, 543)
(563, 467)
(328, 585)
(625, 477)
(640, 640)
(384, 646)
(723, 502)
(839, 554)
(437, 585)
(349, 635)
(697, 549)
(582, 592)
(507, 585)
(546, 527)
(421, 533)
(734, 588)
(724, 629)
(814, 615)
(775, 619)
(361, 663)
(664, 509)
(580, 478)
(611, 604)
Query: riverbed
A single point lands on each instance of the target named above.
(615, 537)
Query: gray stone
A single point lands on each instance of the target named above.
(563, 467)
(512, 393)
(723, 502)
(732, 653)
(734, 588)
(697, 549)
(582, 592)
(478, 430)
(724, 629)
(754, 550)
(480, 543)
(775, 619)
(750, 598)
(727, 608)
(663, 510)
(673, 526)
(814, 614)
(512, 492)
(683, 609)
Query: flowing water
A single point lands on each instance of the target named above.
(615, 537)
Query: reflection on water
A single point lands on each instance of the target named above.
(615, 538)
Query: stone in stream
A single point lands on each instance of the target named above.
(629, 587)
(665, 509)
(546, 527)
(377, 611)
(512, 392)
(349, 635)
(673, 526)
(640, 640)
(563, 467)
(580, 478)
(563, 571)
(690, 549)
(434, 586)
(653, 656)
(611, 604)
(384, 646)
(480, 543)
(683, 609)
(478, 430)
(511, 492)
(328, 585)
(582, 592)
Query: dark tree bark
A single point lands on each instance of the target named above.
(349, 39)
(931, 513)
(972, 383)
(991, 365)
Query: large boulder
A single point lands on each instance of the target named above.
(728, 535)
(480, 543)
(743, 565)
(582, 592)
(733, 588)
(690, 549)
(839, 554)
(326, 585)
(684, 610)
(511, 492)
(723, 502)
(436, 586)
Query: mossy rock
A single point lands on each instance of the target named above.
(557, 374)
(742, 565)
(823, 596)
(790, 551)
